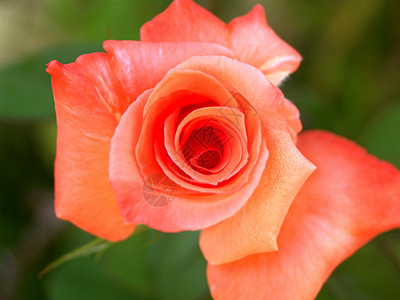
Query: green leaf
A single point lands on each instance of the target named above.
(25, 87)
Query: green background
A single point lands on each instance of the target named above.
(348, 83)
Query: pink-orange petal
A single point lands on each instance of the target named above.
(86, 119)
(185, 21)
(122, 154)
(140, 66)
(293, 119)
(255, 43)
(351, 197)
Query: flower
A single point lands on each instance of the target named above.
(185, 130)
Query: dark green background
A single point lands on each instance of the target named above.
(348, 83)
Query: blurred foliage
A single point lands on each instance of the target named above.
(24, 86)
(349, 83)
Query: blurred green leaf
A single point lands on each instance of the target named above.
(179, 267)
(373, 271)
(312, 108)
(367, 275)
(25, 87)
(45, 135)
(88, 20)
(127, 262)
(171, 268)
(84, 279)
(95, 246)
(381, 136)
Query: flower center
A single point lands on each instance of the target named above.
(208, 159)
(204, 148)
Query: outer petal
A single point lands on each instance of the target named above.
(255, 227)
(185, 21)
(351, 198)
(293, 119)
(249, 36)
(90, 97)
(83, 194)
(255, 43)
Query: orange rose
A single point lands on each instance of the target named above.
(185, 130)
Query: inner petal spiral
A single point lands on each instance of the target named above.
(204, 149)
(203, 142)
(206, 160)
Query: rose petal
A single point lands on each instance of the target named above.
(255, 43)
(185, 21)
(86, 120)
(351, 198)
(293, 119)
(249, 36)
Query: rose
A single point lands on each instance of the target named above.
(134, 120)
